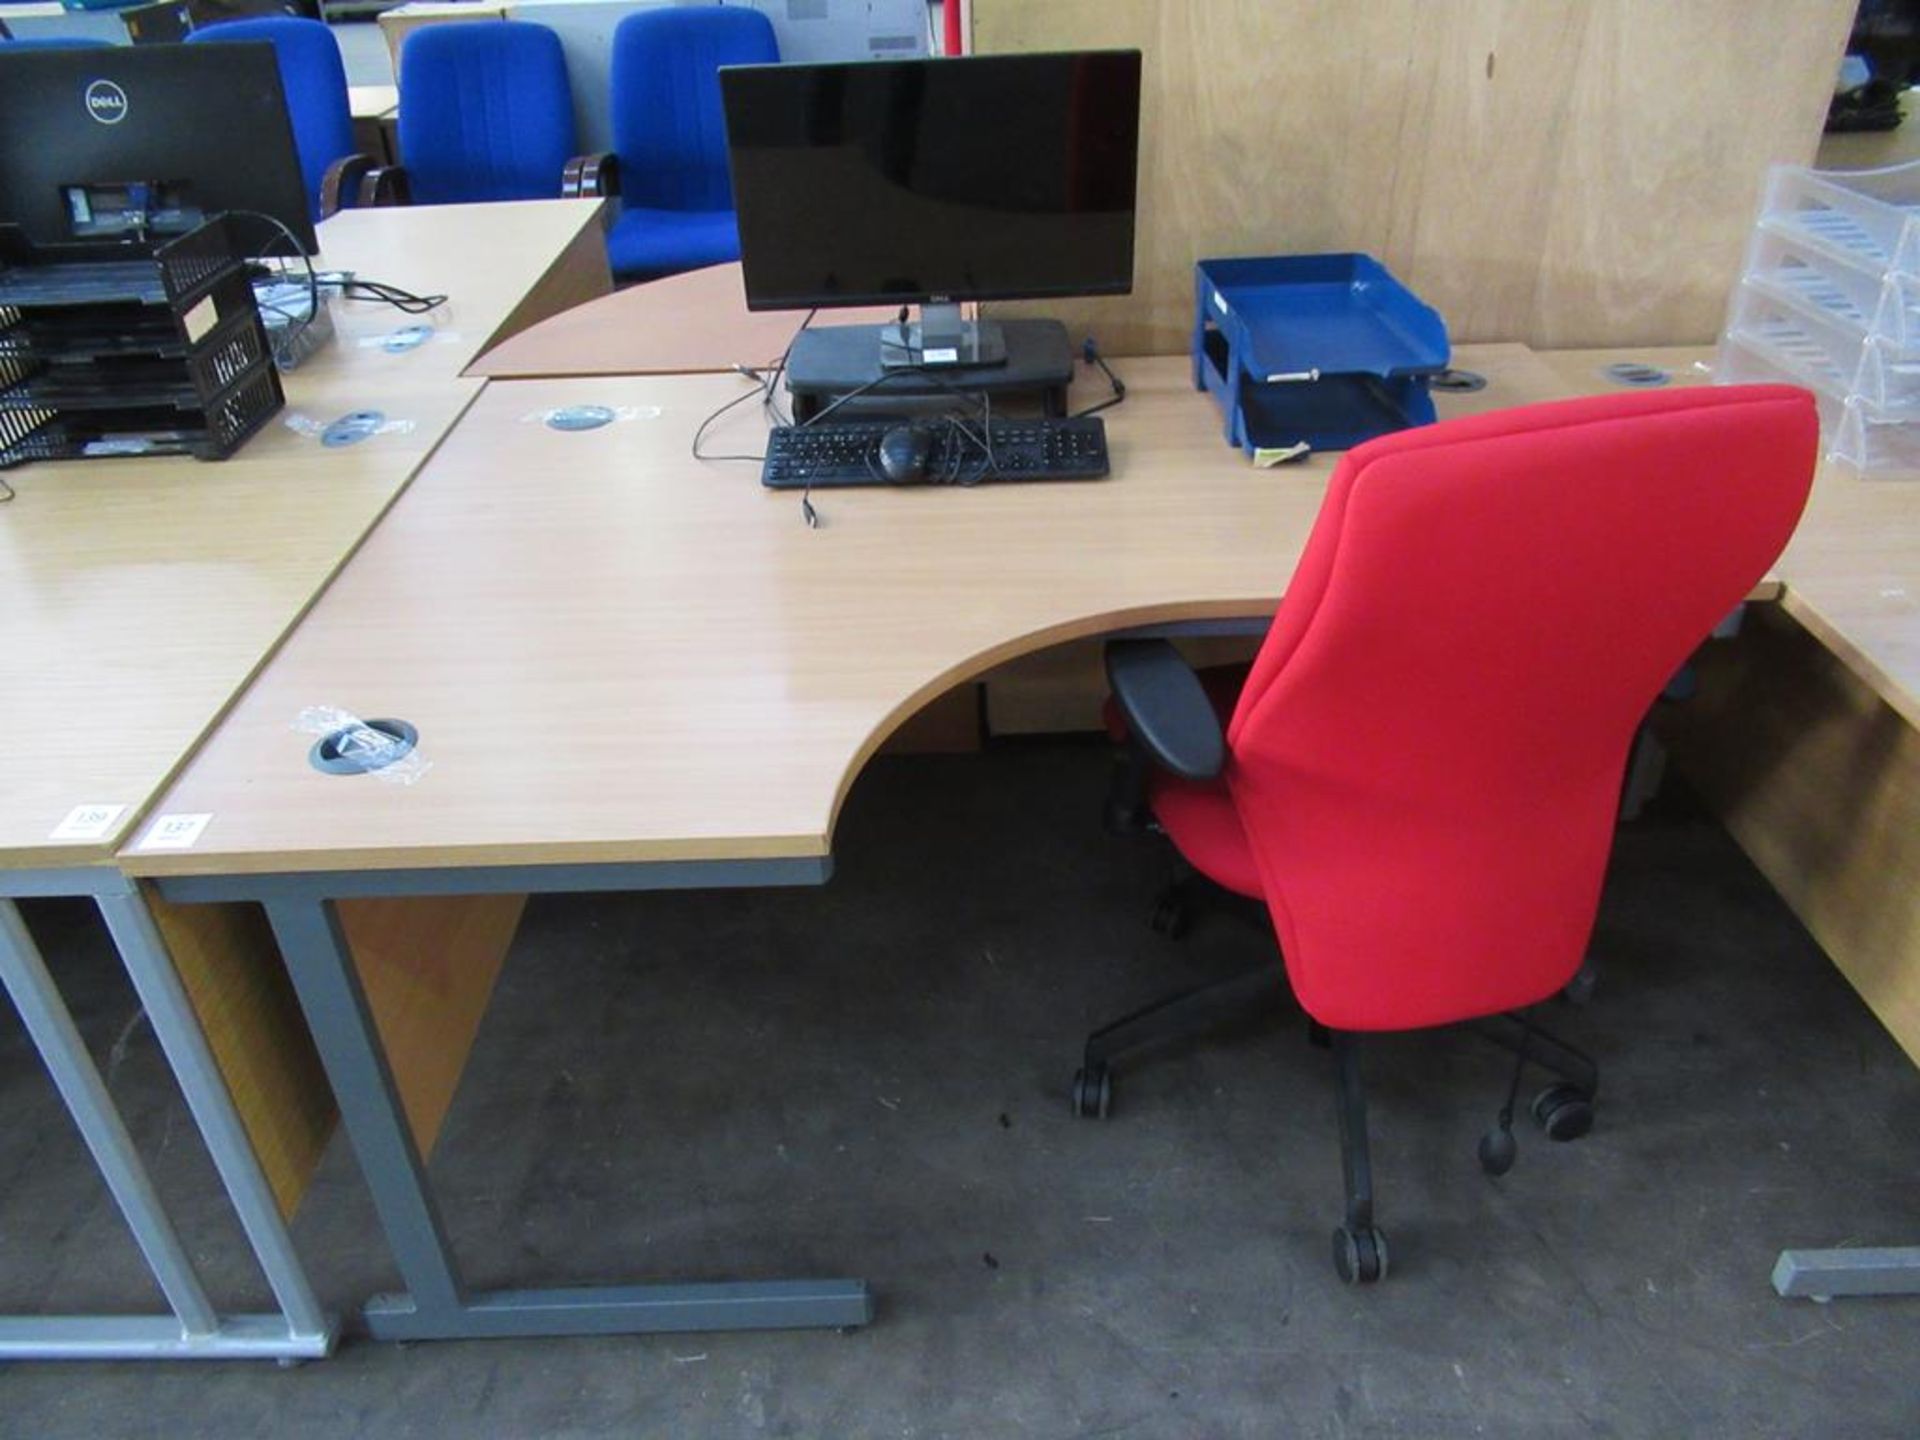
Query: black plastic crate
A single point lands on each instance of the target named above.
(106, 331)
(18, 429)
(189, 265)
(106, 354)
(91, 434)
(241, 411)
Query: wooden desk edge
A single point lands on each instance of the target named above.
(1863, 666)
(579, 274)
(108, 852)
(810, 845)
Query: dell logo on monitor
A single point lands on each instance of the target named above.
(106, 102)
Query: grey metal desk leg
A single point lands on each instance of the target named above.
(1823, 1274)
(145, 955)
(195, 1331)
(437, 1305)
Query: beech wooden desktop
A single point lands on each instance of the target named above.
(631, 669)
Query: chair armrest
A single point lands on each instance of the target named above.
(589, 177)
(341, 184)
(1167, 711)
(385, 185)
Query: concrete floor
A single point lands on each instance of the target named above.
(868, 1079)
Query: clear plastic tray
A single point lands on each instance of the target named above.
(1829, 299)
(1801, 274)
(1878, 449)
(1819, 353)
(1866, 218)
(1876, 446)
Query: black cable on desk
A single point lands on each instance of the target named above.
(769, 402)
(1091, 354)
(306, 256)
(700, 431)
(405, 301)
(765, 380)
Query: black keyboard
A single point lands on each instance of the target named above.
(958, 452)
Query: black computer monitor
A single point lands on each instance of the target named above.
(933, 182)
(138, 145)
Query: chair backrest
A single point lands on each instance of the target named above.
(315, 81)
(486, 112)
(1428, 752)
(668, 127)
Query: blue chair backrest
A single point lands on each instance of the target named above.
(315, 82)
(486, 112)
(668, 129)
(53, 42)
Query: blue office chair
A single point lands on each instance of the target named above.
(670, 137)
(316, 86)
(486, 113)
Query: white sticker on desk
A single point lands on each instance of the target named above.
(175, 832)
(88, 822)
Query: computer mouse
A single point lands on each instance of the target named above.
(904, 452)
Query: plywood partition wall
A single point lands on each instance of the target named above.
(1562, 172)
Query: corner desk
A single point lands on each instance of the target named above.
(139, 596)
(630, 669)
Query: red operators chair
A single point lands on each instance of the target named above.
(1419, 774)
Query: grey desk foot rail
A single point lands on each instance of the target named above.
(1825, 1274)
(437, 1304)
(195, 1329)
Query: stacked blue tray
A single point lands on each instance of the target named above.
(1323, 351)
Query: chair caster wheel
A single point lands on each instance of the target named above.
(1563, 1111)
(1092, 1092)
(1497, 1150)
(1172, 916)
(1360, 1256)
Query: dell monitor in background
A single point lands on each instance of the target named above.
(139, 145)
(933, 182)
